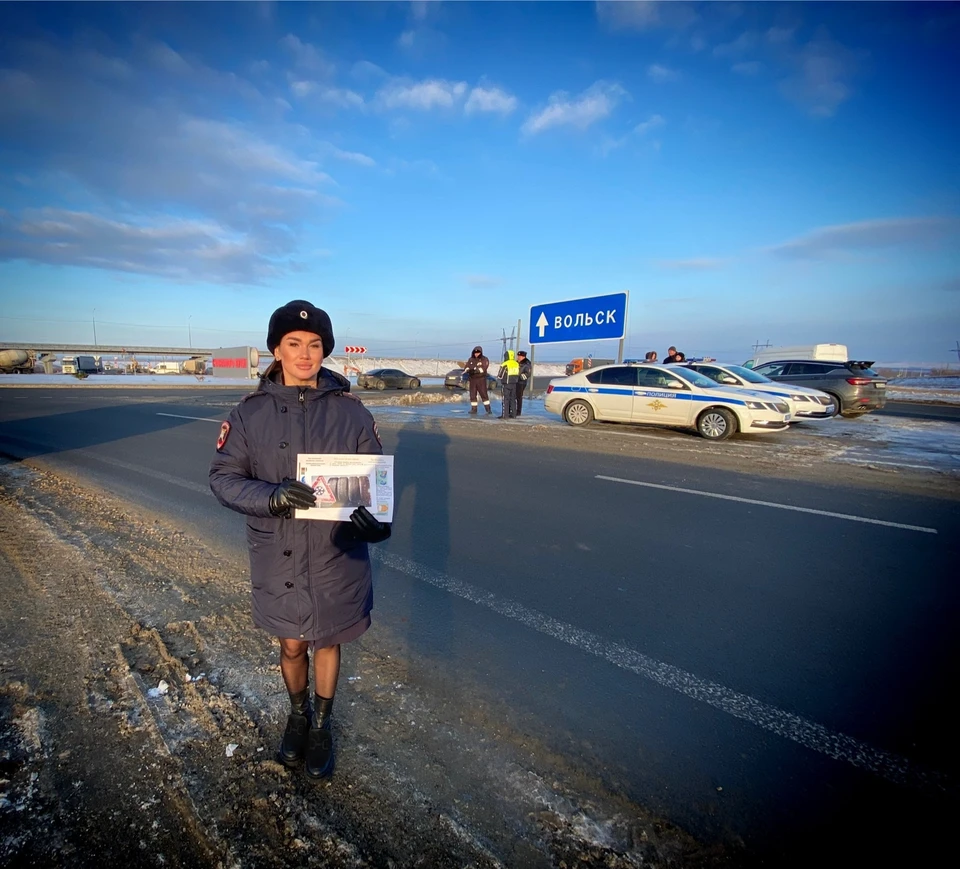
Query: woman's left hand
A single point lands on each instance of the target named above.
(368, 527)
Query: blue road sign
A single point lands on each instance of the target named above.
(579, 320)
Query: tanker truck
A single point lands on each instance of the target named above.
(17, 361)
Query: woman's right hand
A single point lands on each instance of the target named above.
(291, 495)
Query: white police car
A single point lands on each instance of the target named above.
(805, 403)
(664, 395)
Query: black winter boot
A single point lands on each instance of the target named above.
(473, 408)
(293, 746)
(320, 740)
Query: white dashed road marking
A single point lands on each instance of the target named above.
(849, 517)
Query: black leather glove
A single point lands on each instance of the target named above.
(291, 495)
(368, 527)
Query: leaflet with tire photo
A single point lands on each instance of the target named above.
(343, 482)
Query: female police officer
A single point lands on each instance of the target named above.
(311, 579)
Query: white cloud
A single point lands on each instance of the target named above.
(779, 35)
(307, 57)
(163, 57)
(823, 76)
(407, 38)
(148, 161)
(747, 67)
(828, 241)
(484, 99)
(608, 145)
(419, 9)
(649, 124)
(422, 96)
(594, 104)
(741, 45)
(187, 250)
(658, 73)
(642, 15)
(166, 58)
(364, 70)
(350, 156)
(342, 97)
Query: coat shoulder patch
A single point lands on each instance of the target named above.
(224, 434)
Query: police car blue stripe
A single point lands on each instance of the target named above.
(629, 390)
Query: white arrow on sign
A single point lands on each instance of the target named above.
(542, 323)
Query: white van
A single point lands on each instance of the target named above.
(167, 368)
(812, 352)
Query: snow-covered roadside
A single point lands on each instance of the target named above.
(941, 396)
(423, 368)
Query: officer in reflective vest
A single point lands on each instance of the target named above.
(509, 375)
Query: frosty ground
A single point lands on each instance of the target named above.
(105, 606)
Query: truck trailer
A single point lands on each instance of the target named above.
(575, 366)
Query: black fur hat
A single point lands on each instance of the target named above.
(300, 316)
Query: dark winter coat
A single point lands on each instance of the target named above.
(311, 579)
(526, 366)
(476, 366)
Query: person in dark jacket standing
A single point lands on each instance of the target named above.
(476, 371)
(508, 376)
(526, 368)
(673, 355)
(312, 582)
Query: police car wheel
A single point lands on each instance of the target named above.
(578, 413)
(716, 424)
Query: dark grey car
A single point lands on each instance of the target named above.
(856, 387)
(387, 378)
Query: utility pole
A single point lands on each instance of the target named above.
(189, 335)
(95, 327)
(758, 345)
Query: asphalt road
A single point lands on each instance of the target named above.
(921, 410)
(753, 673)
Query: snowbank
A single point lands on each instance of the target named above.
(429, 367)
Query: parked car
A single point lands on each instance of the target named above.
(456, 380)
(855, 386)
(664, 395)
(387, 378)
(805, 403)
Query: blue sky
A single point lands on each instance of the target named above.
(428, 171)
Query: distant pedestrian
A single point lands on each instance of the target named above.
(508, 376)
(673, 355)
(476, 372)
(312, 582)
(526, 369)
(651, 356)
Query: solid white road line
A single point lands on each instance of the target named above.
(773, 504)
(809, 734)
